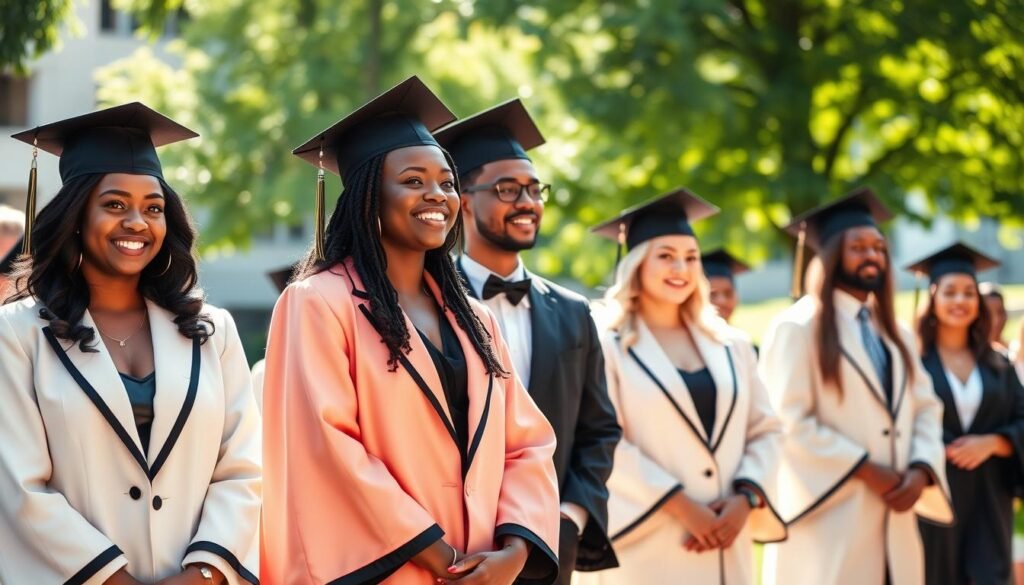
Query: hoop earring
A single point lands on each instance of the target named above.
(168, 267)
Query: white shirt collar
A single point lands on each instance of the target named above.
(847, 304)
(478, 273)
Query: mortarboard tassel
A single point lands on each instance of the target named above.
(917, 296)
(30, 201)
(798, 264)
(620, 243)
(318, 216)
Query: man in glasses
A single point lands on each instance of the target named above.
(552, 339)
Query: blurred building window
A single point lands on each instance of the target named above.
(297, 232)
(118, 22)
(13, 100)
(108, 17)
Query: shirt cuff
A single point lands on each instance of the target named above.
(577, 514)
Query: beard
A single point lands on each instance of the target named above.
(863, 283)
(504, 241)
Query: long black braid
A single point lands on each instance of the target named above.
(352, 233)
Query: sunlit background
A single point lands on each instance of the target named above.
(764, 107)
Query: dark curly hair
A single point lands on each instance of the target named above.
(351, 233)
(51, 273)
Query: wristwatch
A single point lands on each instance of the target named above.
(753, 498)
(206, 573)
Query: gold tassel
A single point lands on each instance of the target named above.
(318, 218)
(620, 244)
(797, 290)
(917, 297)
(30, 202)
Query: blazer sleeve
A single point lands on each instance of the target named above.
(42, 538)
(596, 435)
(760, 460)
(528, 503)
(816, 459)
(639, 485)
(322, 486)
(927, 449)
(228, 533)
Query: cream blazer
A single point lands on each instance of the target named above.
(665, 449)
(78, 497)
(839, 531)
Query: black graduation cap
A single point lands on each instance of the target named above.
(668, 214)
(503, 132)
(402, 116)
(121, 139)
(958, 258)
(856, 209)
(282, 276)
(721, 263)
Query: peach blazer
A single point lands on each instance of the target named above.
(362, 469)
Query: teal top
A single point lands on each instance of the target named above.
(141, 393)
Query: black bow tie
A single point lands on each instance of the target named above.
(514, 290)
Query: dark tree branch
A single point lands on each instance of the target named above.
(832, 152)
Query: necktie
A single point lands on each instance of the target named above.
(514, 290)
(873, 344)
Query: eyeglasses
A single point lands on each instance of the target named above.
(511, 191)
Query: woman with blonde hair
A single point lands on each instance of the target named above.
(689, 491)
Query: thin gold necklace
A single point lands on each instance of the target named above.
(124, 342)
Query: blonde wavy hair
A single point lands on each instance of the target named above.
(622, 302)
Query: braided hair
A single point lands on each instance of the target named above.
(351, 233)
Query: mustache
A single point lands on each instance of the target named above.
(871, 264)
(516, 214)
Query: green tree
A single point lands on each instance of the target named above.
(764, 107)
(29, 29)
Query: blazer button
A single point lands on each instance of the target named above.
(135, 493)
(885, 433)
(708, 473)
(157, 503)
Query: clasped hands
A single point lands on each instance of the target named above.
(711, 526)
(500, 567)
(899, 491)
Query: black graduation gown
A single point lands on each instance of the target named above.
(567, 381)
(978, 549)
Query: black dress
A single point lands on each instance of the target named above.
(978, 549)
(705, 396)
(450, 363)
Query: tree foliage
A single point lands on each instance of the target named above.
(765, 107)
(30, 29)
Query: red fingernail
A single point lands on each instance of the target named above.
(452, 569)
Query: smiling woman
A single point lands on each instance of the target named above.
(399, 447)
(105, 320)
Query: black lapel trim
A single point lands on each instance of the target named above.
(416, 377)
(94, 566)
(231, 559)
(867, 380)
(382, 568)
(479, 428)
(903, 383)
(830, 491)
(732, 405)
(675, 404)
(183, 414)
(356, 292)
(97, 400)
(991, 383)
(933, 365)
(643, 517)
